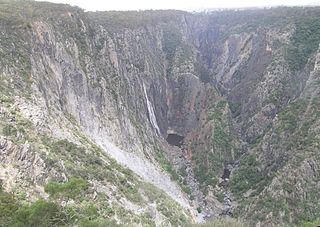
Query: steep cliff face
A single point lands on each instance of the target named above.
(199, 110)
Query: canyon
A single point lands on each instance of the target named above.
(162, 117)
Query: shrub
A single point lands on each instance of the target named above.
(71, 189)
(9, 130)
(310, 224)
(41, 213)
(8, 207)
(290, 115)
(247, 176)
(171, 40)
(305, 41)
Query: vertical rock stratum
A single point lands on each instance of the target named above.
(162, 118)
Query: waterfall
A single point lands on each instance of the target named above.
(152, 116)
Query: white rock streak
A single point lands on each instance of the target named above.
(146, 170)
(152, 116)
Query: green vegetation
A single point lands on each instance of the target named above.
(74, 188)
(222, 223)
(41, 213)
(98, 223)
(165, 164)
(9, 130)
(209, 163)
(8, 207)
(175, 176)
(84, 212)
(223, 138)
(235, 108)
(206, 167)
(85, 164)
(290, 116)
(220, 196)
(290, 122)
(44, 213)
(248, 176)
(118, 20)
(88, 164)
(293, 210)
(175, 214)
(296, 124)
(171, 40)
(259, 138)
(310, 224)
(16, 127)
(81, 165)
(305, 41)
